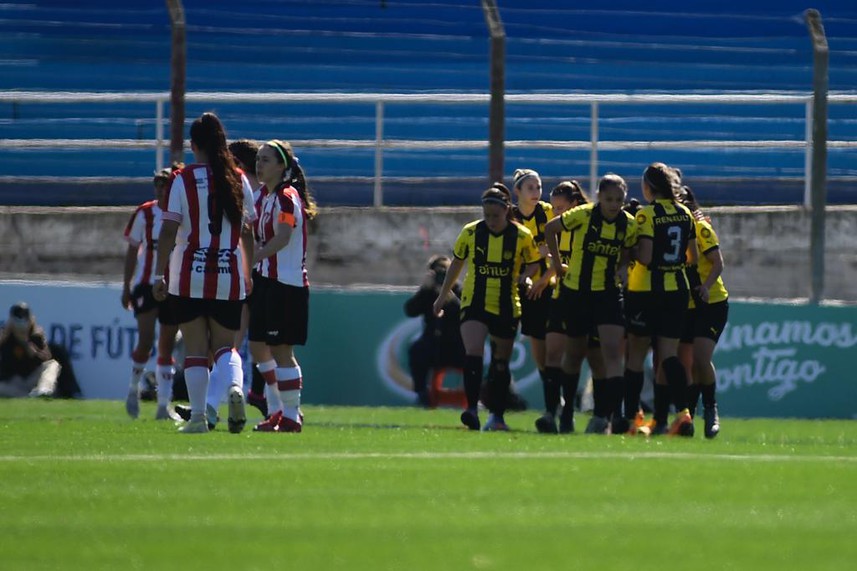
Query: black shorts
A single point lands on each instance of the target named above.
(225, 312)
(586, 310)
(658, 314)
(556, 316)
(705, 321)
(279, 313)
(534, 315)
(498, 326)
(143, 301)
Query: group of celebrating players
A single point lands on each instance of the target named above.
(216, 259)
(603, 281)
(598, 280)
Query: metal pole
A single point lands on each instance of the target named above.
(378, 195)
(497, 110)
(593, 153)
(178, 66)
(159, 135)
(807, 159)
(821, 58)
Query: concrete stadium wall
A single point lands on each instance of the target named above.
(766, 249)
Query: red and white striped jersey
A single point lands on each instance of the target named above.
(142, 231)
(288, 265)
(207, 261)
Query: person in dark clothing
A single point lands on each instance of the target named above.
(440, 344)
(27, 367)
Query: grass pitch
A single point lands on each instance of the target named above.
(84, 487)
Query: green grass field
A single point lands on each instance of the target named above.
(84, 487)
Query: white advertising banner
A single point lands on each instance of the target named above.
(88, 319)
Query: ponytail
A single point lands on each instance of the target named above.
(207, 134)
(295, 177)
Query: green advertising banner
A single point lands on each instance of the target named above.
(788, 360)
(774, 359)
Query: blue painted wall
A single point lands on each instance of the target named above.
(393, 46)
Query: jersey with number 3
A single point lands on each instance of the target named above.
(288, 265)
(670, 226)
(207, 261)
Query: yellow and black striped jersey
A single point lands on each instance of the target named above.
(493, 266)
(670, 226)
(564, 245)
(706, 241)
(596, 246)
(535, 223)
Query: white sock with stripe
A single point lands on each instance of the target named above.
(290, 383)
(272, 393)
(196, 378)
(165, 375)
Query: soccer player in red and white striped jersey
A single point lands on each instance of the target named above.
(207, 220)
(279, 308)
(141, 233)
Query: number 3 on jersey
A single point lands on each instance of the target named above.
(674, 234)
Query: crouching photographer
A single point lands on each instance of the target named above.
(27, 367)
(440, 344)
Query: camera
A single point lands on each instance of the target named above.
(439, 276)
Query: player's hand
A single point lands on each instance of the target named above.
(538, 288)
(126, 298)
(702, 293)
(159, 289)
(437, 307)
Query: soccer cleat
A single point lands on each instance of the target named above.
(258, 401)
(195, 426)
(656, 429)
(638, 424)
(166, 413)
(237, 415)
(270, 424)
(132, 403)
(546, 424)
(495, 423)
(712, 421)
(211, 416)
(184, 412)
(566, 419)
(286, 424)
(620, 425)
(682, 424)
(470, 419)
(597, 425)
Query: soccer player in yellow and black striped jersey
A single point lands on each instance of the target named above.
(658, 295)
(705, 320)
(603, 234)
(533, 213)
(562, 370)
(494, 249)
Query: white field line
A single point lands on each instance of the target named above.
(324, 456)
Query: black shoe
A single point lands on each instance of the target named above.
(598, 425)
(470, 419)
(660, 429)
(619, 426)
(566, 420)
(258, 401)
(546, 424)
(712, 421)
(183, 411)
